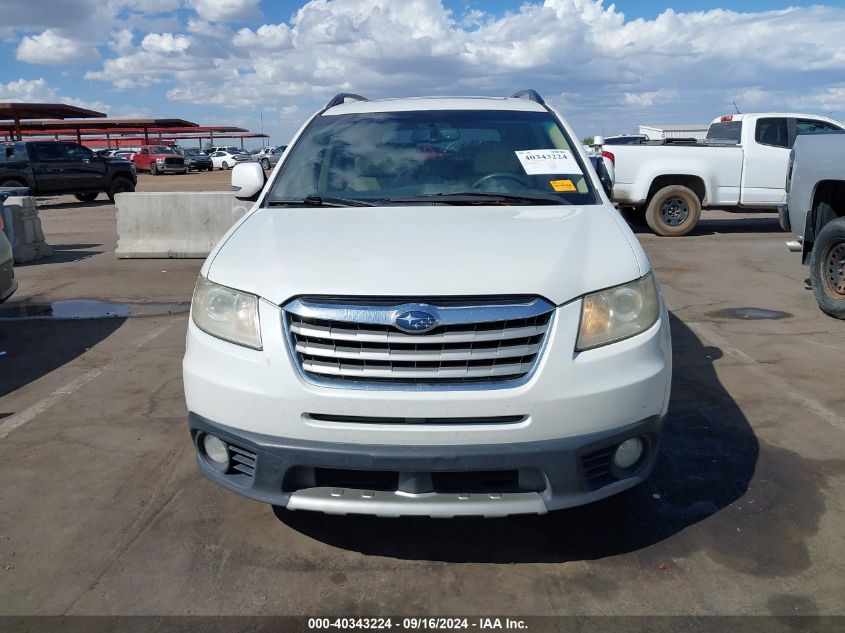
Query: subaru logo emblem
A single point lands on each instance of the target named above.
(415, 321)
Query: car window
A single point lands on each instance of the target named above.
(811, 126)
(772, 131)
(404, 154)
(76, 152)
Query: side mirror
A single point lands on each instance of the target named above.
(248, 180)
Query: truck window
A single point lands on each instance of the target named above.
(76, 152)
(772, 131)
(14, 151)
(730, 131)
(809, 126)
(48, 152)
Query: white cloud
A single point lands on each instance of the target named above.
(601, 68)
(121, 42)
(267, 36)
(165, 43)
(208, 29)
(27, 91)
(49, 47)
(227, 10)
(648, 99)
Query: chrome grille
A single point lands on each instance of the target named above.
(484, 341)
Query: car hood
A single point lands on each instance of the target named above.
(199, 157)
(558, 252)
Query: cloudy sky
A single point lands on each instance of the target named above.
(608, 67)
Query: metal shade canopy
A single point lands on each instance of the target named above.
(17, 112)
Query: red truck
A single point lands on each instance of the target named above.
(159, 159)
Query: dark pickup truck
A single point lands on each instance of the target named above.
(54, 168)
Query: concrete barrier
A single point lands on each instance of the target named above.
(174, 224)
(23, 228)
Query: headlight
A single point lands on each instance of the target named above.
(227, 314)
(160, 161)
(618, 313)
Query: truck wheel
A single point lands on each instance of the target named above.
(633, 215)
(87, 197)
(265, 164)
(827, 268)
(12, 183)
(673, 211)
(120, 185)
(153, 169)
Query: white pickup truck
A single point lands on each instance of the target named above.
(740, 166)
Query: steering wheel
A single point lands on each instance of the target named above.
(501, 175)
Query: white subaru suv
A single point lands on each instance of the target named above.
(434, 309)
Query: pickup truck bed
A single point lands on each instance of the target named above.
(742, 165)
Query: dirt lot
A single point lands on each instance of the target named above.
(103, 511)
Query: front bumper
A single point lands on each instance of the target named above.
(547, 475)
(783, 216)
(8, 285)
(172, 169)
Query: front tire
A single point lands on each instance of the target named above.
(827, 268)
(87, 197)
(120, 185)
(224, 166)
(153, 169)
(673, 211)
(12, 183)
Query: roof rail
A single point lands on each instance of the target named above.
(342, 97)
(532, 95)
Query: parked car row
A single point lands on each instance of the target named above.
(164, 159)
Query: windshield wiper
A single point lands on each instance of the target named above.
(321, 201)
(479, 197)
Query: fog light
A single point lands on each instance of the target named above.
(215, 450)
(628, 453)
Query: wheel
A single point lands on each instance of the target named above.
(265, 164)
(153, 169)
(633, 215)
(87, 197)
(210, 168)
(827, 268)
(673, 211)
(120, 185)
(12, 183)
(225, 165)
(500, 175)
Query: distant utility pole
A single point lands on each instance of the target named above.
(261, 115)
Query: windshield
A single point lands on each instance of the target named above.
(194, 152)
(729, 131)
(161, 149)
(380, 157)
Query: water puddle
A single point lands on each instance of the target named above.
(90, 309)
(749, 314)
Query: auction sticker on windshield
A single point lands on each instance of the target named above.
(547, 161)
